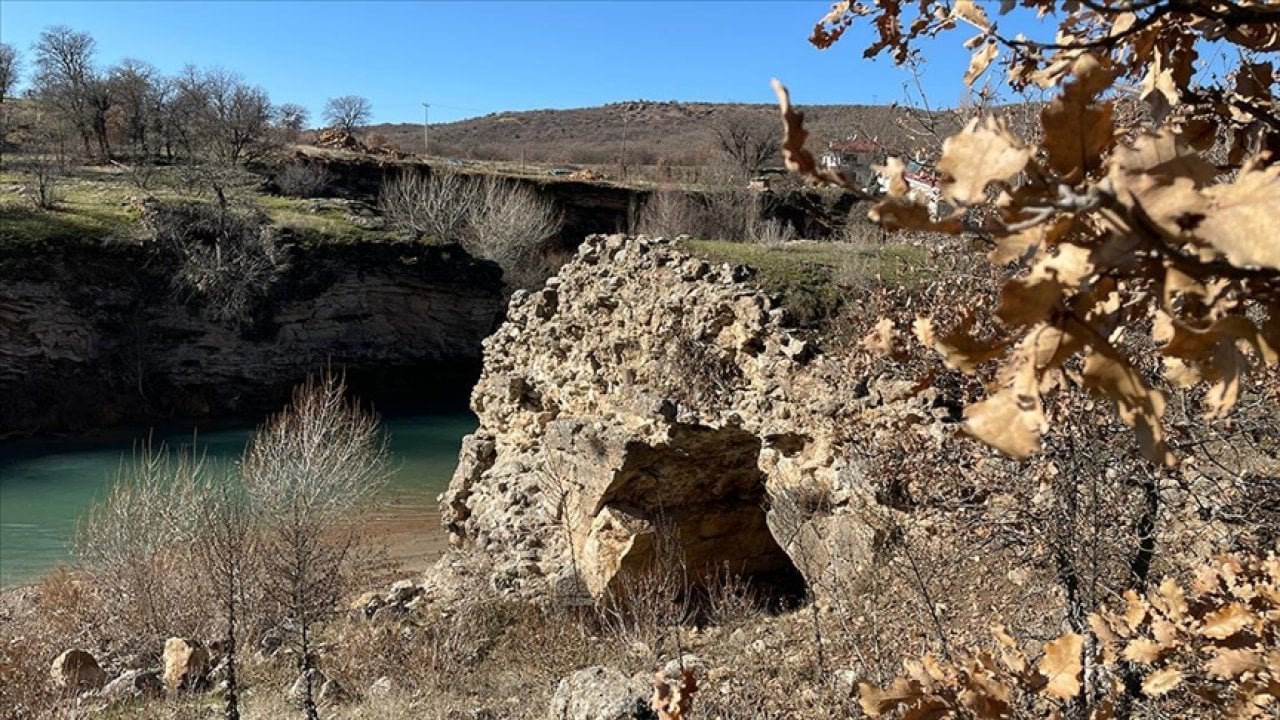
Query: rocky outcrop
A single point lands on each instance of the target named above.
(93, 335)
(599, 693)
(77, 670)
(186, 663)
(644, 402)
(134, 685)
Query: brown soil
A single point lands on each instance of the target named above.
(413, 537)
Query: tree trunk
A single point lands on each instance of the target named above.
(233, 699)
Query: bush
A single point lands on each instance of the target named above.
(303, 179)
(669, 213)
(438, 205)
(225, 257)
(135, 546)
(772, 233)
(509, 224)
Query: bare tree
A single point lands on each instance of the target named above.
(10, 69)
(438, 205)
(238, 117)
(750, 141)
(508, 225)
(226, 525)
(292, 119)
(348, 113)
(67, 82)
(47, 165)
(183, 113)
(133, 87)
(308, 470)
(131, 543)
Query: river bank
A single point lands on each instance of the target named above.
(46, 485)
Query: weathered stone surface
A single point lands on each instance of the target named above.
(134, 685)
(332, 693)
(186, 663)
(599, 693)
(647, 399)
(297, 693)
(77, 670)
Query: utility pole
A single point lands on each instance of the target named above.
(426, 128)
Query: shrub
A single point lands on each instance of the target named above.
(509, 224)
(669, 212)
(438, 205)
(224, 257)
(772, 233)
(135, 546)
(303, 179)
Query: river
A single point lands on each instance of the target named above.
(45, 486)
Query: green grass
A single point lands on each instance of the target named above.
(325, 225)
(99, 203)
(813, 280)
(89, 208)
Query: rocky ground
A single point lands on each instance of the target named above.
(670, 478)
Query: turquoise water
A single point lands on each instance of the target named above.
(46, 485)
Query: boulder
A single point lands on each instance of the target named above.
(402, 591)
(368, 603)
(380, 687)
(77, 670)
(600, 693)
(186, 663)
(270, 642)
(134, 685)
(332, 693)
(297, 692)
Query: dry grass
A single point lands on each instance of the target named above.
(676, 133)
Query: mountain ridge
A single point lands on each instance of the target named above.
(677, 133)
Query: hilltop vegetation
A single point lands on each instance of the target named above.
(674, 133)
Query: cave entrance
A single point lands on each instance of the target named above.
(698, 499)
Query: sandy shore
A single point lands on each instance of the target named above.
(413, 536)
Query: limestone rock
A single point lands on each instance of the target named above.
(402, 592)
(368, 603)
(332, 693)
(599, 693)
(298, 690)
(134, 685)
(380, 687)
(77, 670)
(186, 663)
(648, 404)
(270, 642)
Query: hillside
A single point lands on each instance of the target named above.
(675, 132)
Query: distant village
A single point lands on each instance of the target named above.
(857, 158)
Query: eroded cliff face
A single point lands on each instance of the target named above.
(645, 397)
(91, 336)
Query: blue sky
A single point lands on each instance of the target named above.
(473, 58)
